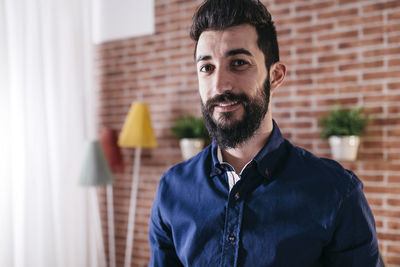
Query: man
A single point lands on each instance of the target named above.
(252, 198)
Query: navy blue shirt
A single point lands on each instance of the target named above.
(290, 208)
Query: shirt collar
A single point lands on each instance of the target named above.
(266, 159)
(219, 155)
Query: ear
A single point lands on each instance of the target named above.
(277, 73)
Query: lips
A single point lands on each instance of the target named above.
(226, 102)
(227, 106)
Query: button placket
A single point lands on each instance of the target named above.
(233, 219)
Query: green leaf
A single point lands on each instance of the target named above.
(342, 122)
(189, 126)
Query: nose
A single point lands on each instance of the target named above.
(222, 81)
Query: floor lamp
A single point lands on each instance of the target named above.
(136, 133)
(96, 172)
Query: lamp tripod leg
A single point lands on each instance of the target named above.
(132, 208)
(110, 217)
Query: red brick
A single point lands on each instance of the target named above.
(393, 248)
(379, 224)
(372, 178)
(281, 115)
(339, 57)
(281, 94)
(381, 75)
(285, 53)
(315, 28)
(394, 179)
(308, 135)
(310, 92)
(394, 62)
(381, 166)
(339, 35)
(373, 144)
(384, 28)
(381, 6)
(332, 102)
(298, 61)
(338, 79)
(382, 98)
(344, 2)
(298, 82)
(364, 154)
(386, 121)
(373, 132)
(394, 109)
(294, 20)
(393, 133)
(394, 202)
(315, 49)
(392, 260)
(338, 13)
(354, 43)
(321, 70)
(394, 39)
(293, 104)
(295, 41)
(311, 114)
(389, 214)
(314, 6)
(276, 13)
(295, 125)
(283, 2)
(361, 88)
(360, 20)
(364, 65)
(394, 16)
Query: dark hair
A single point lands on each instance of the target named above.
(222, 14)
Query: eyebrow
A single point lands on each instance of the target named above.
(227, 54)
(238, 51)
(202, 58)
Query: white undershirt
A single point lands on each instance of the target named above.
(233, 177)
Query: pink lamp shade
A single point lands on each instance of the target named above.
(109, 142)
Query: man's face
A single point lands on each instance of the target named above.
(233, 83)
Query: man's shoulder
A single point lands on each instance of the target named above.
(198, 164)
(323, 171)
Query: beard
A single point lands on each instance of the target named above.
(228, 132)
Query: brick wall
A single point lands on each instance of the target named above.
(337, 51)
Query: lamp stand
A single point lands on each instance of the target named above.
(110, 217)
(97, 221)
(132, 208)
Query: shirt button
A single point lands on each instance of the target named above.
(231, 238)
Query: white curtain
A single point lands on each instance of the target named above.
(46, 114)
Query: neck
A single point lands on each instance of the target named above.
(239, 156)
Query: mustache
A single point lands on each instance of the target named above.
(226, 97)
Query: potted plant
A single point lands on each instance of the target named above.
(343, 128)
(192, 134)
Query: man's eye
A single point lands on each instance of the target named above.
(206, 68)
(239, 62)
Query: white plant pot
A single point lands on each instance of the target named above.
(191, 147)
(344, 147)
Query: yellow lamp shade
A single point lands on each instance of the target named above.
(137, 130)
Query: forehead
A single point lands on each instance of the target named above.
(219, 42)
